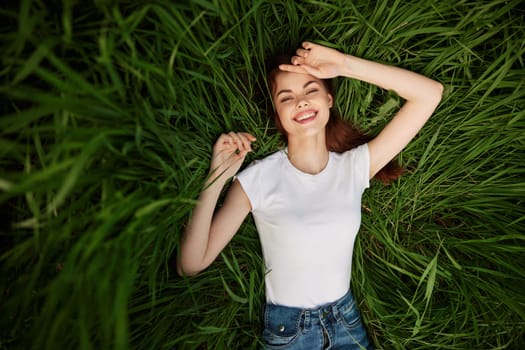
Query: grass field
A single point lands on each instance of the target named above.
(109, 112)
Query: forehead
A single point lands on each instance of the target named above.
(292, 81)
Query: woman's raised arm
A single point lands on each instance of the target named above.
(421, 94)
(207, 234)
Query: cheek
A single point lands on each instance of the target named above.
(281, 111)
(327, 100)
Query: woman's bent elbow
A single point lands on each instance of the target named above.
(183, 270)
(439, 91)
(434, 94)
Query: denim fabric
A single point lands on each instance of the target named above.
(333, 326)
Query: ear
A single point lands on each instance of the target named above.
(330, 101)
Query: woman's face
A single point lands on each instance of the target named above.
(302, 103)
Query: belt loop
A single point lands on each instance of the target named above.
(335, 311)
(306, 320)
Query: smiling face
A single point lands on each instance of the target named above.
(302, 103)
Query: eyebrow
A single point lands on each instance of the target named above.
(304, 87)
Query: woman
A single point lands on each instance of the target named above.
(306, 199)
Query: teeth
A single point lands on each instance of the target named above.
(306, 116)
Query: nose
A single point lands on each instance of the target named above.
(302, 103)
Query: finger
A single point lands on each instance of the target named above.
(245, 142)
(234, 138)
(307, 69)
(316, 72)
(237, 140)
(297, 60)
(224, 139)
(292, 68)
(249, 139)
(224, 144)
(249, 136)
(302, 53)
(308, 45)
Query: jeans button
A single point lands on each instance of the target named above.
(281, 328)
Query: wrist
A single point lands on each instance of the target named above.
(215, 181)
(346, 66)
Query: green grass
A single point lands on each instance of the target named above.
(110, 109)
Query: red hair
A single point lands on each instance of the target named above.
(341, 135)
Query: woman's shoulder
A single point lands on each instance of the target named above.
(267, 163)
(270, 159)
(357, 151)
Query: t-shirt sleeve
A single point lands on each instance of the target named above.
(249, 179)
(360, 166)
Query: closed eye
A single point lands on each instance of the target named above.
(286, 99)
(311, 91)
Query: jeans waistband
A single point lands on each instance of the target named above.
(332, 307)
(320, 311)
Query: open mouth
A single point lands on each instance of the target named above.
(305, 117)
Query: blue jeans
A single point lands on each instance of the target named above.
(333, 326)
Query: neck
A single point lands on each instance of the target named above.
(308, 154)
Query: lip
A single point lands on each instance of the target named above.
(305, 116)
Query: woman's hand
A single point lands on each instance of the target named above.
(228, 154)
(320, 61)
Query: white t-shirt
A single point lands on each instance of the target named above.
(307, 224)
